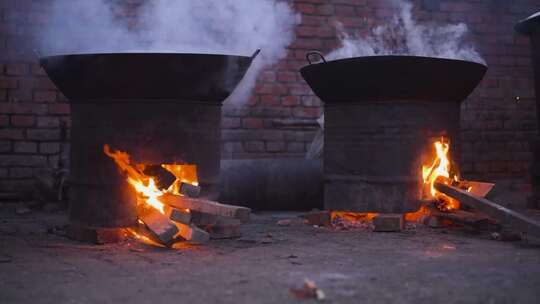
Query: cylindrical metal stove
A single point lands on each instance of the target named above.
(382, 116)
(160, 108)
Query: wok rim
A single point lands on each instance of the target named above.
(420, 58)
(139, 53)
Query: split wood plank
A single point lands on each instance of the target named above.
(193, 234)
(190, 190)
(506, 216)
(159, 224)
(205, 206)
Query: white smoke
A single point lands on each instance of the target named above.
(232, 27)
(404, 36)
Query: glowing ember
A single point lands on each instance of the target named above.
(439, 171)
(351, 220)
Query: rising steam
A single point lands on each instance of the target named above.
(234, 27)
(404, 36)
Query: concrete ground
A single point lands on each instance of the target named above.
(420, 265)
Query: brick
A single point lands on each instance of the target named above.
(11, 134)
(275, 146)
(388, 223)
(252, 123)
(48, 122)
(49, 148)
(5, 146)
(231, 123)
(59, 108)
(43, 134)
(45, 96)
(8, 83)
(290, 101)
(22, 120)
(4, 120)
(25, 147)
(254, 146)
(296, 147)
(233, 147)
(21, 172)
(17, 69)
(23, 160)
(22, 108)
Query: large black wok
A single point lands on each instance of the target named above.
(387, 78)
(146, 76)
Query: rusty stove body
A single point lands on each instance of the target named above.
(158, 107)
(382, 114)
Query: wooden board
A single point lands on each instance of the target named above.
(205, 206)
(514, 220)
(192, 234)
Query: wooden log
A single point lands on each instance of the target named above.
(187, 217)
(182, 216)
(225, 228)
(193, 234)
(479, 189)
(189, 190)
(388, 223)
(159, 224)
(205, 206)
(513, 219)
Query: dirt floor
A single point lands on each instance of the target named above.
(420, 265)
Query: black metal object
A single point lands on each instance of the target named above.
(531, 27)
(382, 115)
(160, 108)
(155, 76)
(384, 78)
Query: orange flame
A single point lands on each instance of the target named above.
(143, 184)
(439, 171)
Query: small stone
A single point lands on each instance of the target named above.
(284, 223)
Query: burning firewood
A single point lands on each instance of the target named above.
(515, 220)
(186, 216)
(159, 224)
(205, 206)
(182, 216)
(193, 234)
(189, 190)
(163, 177)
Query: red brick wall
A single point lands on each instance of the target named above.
(497, 127)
